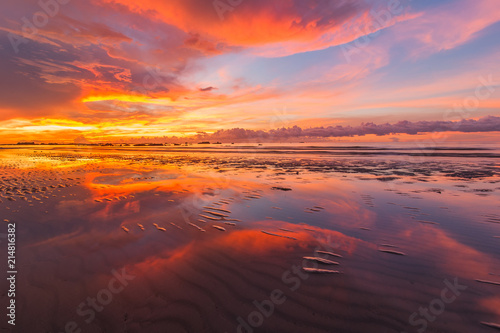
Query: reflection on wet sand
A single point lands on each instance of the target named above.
(346, 245)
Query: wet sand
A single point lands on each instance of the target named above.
(340, 243)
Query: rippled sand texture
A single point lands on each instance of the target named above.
(342, 243)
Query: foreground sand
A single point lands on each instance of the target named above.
(209, 241)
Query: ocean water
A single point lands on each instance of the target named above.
(303, 237)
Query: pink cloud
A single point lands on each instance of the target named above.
(485, 124)
(448, 26)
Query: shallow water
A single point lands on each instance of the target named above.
(210, 236)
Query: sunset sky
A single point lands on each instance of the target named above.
(102, 70)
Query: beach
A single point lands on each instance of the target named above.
(249, 238)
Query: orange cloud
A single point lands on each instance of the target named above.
(280, 27)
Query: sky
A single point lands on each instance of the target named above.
(109, 70)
